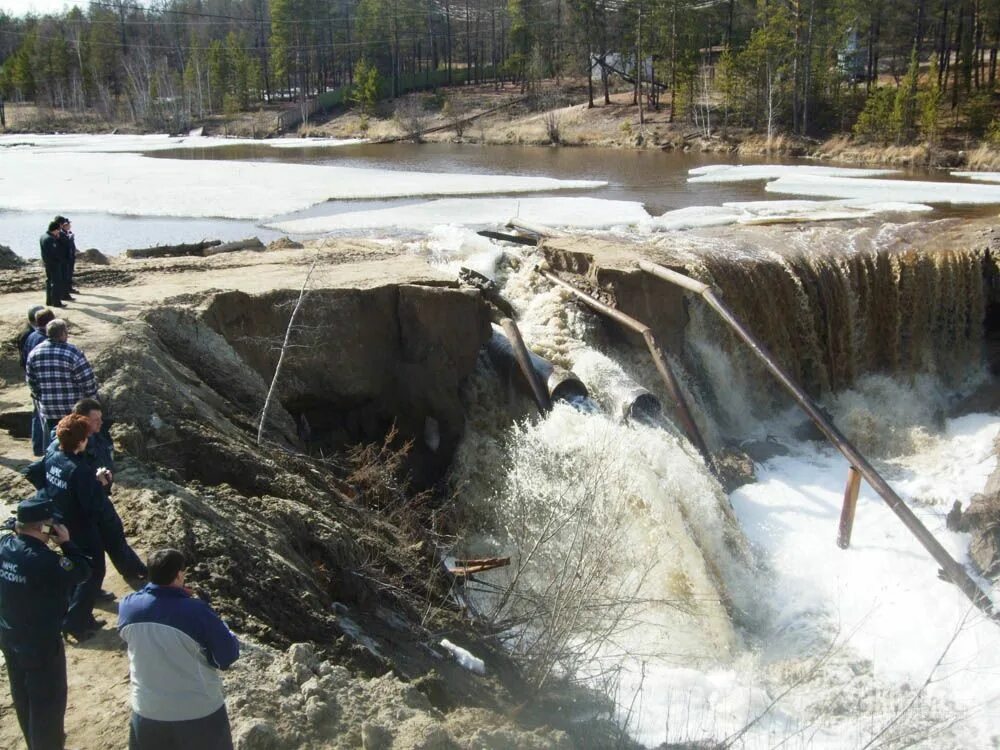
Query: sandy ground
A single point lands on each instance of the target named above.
(97, 713)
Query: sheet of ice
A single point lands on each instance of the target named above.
(766, 212)
(590, 213)
(884, 590)
(759, 172)
(979, 176)
(463, 657)
(130, 184)
(874, 191)
(113, 234)
(107, 144)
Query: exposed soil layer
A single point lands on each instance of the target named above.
(289, 543)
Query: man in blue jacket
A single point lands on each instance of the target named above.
(176, 645)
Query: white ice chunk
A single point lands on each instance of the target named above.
(910, 191)
(778, 211)
(463, 657)
(130, 184)
(695, 216)
(758, 172)
(108, 144)
(586, 213)
(979, 176)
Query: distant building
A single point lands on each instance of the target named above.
(852, 57)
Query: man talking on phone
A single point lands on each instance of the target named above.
(35, 586)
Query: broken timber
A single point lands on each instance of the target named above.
(952, 570)
(523, 357)
(466, 568)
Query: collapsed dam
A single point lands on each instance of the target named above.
(651, 578)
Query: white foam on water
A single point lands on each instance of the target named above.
(875, 191)
(761, 172)
(884, 589)
(130, 184)
(588, 213)
(829, 645)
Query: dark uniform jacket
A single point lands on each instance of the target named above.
(35, 587)
(79, 498)
(67, 245)
(53, 251)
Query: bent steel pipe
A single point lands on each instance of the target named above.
(561, 384)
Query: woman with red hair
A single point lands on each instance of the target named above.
(82, 506)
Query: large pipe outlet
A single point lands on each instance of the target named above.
(618, 394)
(559, 382)
(633, 402)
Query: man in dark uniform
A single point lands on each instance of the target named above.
(53, 258)
(68, 243)
(35, 586)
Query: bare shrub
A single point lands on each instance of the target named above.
(574, 585)
(378, 474)
(410, 115)
(552, 127)
(455, 113)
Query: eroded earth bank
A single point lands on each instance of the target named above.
(326, 559)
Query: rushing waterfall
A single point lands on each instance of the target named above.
(630, 567)
(833, 305)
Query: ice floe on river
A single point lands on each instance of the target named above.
(910, 191)
(776, 212)
(131, 184)
(584, 213)
(979, 176)
(108, 144)
(758, 172)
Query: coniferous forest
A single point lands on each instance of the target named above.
(890, 71)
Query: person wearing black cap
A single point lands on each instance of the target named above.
(54, 260)
(35, 586)
(68, 243)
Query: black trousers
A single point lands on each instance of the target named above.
(38, 687)
(81, 603)
(56, 289)
(209, 733)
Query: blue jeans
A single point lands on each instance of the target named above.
(208, 733)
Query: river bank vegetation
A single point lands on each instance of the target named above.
(892, 73)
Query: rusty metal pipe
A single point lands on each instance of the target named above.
(952, 569)
(559, 384)
(681, 409)
(523, 357)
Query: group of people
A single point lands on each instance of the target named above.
(59, 258)
(176, 642)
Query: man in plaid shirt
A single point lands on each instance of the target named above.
(58, 375)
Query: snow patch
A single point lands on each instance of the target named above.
(588, 213)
